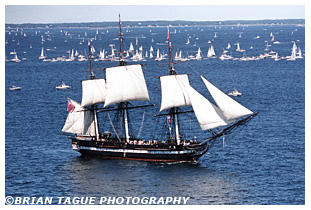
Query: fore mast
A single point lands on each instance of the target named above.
(94, 106)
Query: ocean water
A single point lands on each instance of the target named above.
(263, 163)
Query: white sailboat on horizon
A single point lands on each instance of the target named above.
(42, 55)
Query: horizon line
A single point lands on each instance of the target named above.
(269, 19)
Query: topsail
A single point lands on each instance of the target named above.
(125, 83)
(174, 91)
(93, 92)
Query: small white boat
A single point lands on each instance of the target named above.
(15, 88)
(235, 93)
(42, 55)
(62, 86)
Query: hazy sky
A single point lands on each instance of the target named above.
(99, 13)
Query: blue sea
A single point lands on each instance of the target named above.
(261, 163)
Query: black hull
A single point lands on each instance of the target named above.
(140, 157)
(160, 153)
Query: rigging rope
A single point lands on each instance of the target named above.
(141, 125)
(114, 130)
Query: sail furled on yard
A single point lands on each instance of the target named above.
(174, 91)
(207, 114)
(231, 109)
(93, 92)
(80, 120)
(125, 83)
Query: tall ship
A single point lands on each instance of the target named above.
(125, 84)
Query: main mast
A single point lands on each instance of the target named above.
(123, 105)
(172, 72)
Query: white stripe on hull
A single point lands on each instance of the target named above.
(78, 148)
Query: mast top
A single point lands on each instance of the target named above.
(122, 62)
(172, 70)
(91, 50)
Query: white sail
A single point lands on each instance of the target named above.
(294, 47)
(299, 53)
(229, 107)
(42, 52)
(174, 91)
(272, 39)
(209, 53)
(42, 56)
(125, 83)
(112, 52)
(294, 52)
(79, 121)
(188, 41)
(93, 92)
(238, 47)
(198, 55)
(208, 115)
(212, 51)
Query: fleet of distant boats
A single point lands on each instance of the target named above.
(140, 55)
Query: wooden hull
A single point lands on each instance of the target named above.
(161, 153)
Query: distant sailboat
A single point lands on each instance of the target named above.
(228, 46)
(188, 41)
(159, 56)
(131, 49)
(150, 52)
(42, 55)
(15, 59)
(211, 52)
(199, 54)
(238, 48)
(293, 53)
(272, 39)
(276, 57)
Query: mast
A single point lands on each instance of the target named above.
(172, 72)
(123, 104)
(92, 76)
(121, 43)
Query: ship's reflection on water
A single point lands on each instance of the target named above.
(99, 177)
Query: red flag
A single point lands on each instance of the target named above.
(168, 33)
(70, 106)
(168, 120)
